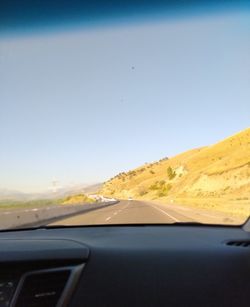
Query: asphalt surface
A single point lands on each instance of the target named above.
(40, 216)
(137, 212)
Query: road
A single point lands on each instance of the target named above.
(136, 212)
(35, 217)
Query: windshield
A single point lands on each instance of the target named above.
(135, 119)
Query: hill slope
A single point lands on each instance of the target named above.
(218, 171)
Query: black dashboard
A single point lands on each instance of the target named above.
(125, 266)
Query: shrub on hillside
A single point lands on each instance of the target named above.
(161, 188)
(142, 191)
(154, 186)
(161, 183)
(171, 173)
(163, 159)
(161, 194)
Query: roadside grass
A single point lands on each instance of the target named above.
(16, 205)
(234, 207)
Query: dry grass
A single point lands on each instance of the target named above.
(239, 208)
(77, 199)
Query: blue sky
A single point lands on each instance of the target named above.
(82, 105)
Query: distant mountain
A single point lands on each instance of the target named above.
(94, 188)
(6, 194)
(73, 190)
(221, 170)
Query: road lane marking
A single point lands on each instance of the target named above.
(108, 218)
(124, 207)
(164, 212)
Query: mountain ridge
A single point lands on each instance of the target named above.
(8, 194)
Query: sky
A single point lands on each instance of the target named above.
(82, 105)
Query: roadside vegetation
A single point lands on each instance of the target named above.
(161, 188)
(15, 205)
(19, 205)
(77, 199)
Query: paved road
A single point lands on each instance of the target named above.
(130, 212)
(35, 217)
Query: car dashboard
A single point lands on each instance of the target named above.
(136, 265)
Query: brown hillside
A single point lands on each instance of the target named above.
(221, 170)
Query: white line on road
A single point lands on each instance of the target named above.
(164, 212)
(108, 218)
(126, 206)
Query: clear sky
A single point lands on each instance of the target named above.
(82, 105)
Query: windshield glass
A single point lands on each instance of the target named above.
(136, 120)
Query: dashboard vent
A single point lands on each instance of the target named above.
(239, 243)
(42, 288)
